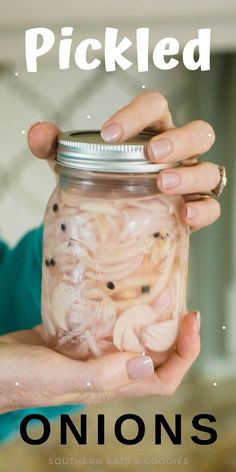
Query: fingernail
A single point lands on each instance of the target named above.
(198, 320)
(161, 148)
(140, 367)
(191, 212)
(111, 133)
(169, 180)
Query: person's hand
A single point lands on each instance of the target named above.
(34, 375)
(46, 377)
(149, 111)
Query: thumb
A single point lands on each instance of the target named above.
(119, 369)
(113, 371)
(42, 140)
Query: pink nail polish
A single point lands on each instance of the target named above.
(161, 148)
(191, 212)
(112, 133)
(140, 367)
(169, 180)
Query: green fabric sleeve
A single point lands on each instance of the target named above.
(20, 283)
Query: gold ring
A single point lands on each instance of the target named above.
(222, 183)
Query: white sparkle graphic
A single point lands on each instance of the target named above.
(143, 354)
(23, 131)
(143, 86)
(16, 74)
(88, 117)
(209, 135)
(17, 383)
(215, 384)
(88, 384)
(223, 327)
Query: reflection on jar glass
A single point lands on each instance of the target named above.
(115, 252)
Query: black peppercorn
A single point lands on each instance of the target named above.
(156, 235)
(110, 285)
(63, 227)
(145, 289)
(52, 262)
(47, 262)
(55, 207)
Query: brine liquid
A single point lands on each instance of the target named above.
(114, 274)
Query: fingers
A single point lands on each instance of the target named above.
(55, 379)
(201, 178)
(187, 350)
(107, 374)
(198, 214)
(178, 144)
(45, 377)
(42, 140)
(170, 374)
(149, 110)
(27, 336)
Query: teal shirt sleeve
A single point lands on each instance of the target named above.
(20, 283)
(20, 308)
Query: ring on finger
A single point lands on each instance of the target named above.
(218, 189)
(190, 161)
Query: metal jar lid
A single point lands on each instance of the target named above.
(86, 150)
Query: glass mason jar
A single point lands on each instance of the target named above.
(115, 252)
